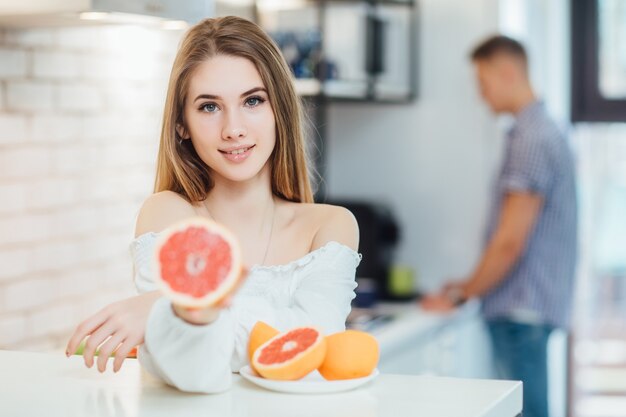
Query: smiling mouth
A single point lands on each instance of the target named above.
(238, 151)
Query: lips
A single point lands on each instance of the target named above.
(238, 153)
(237, 150)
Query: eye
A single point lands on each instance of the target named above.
(209, 107)
(254, 101)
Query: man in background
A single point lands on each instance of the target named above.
(525, 275)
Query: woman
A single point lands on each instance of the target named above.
(231, 149)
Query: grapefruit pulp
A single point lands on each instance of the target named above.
(197, 262)
(290, 355)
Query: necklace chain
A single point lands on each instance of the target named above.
(269, 240)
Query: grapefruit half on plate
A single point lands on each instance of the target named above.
(290, 355)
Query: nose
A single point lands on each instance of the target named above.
(234, 128)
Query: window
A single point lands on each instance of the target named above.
(598, 60)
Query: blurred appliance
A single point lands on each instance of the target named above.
(379, 235)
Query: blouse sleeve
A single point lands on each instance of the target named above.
(201, 358)
(142, 250)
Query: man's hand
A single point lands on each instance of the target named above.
(451, 296)
(437, 303)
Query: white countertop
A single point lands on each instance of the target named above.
(409, 323)
(50, 385)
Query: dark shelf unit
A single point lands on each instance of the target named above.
(374, 50)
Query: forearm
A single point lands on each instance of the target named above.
(193, 358)
(498, 259)
(517, 218)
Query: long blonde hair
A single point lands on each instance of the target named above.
(179, 168)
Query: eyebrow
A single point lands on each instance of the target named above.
(214, 97)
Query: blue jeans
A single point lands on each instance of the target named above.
(520, 353)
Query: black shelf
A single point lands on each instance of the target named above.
(374, 50)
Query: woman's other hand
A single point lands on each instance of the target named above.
(117, 328)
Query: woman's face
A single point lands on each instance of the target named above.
(229, 118)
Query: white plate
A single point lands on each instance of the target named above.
(313, 383)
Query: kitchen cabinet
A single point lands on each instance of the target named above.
(415, 342)
(51, 385)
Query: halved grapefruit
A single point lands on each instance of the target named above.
(290, 355)
(197, 262)
(260, 333)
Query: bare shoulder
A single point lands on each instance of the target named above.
(333, 223)
(161, 210)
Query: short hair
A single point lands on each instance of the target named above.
(496, 45)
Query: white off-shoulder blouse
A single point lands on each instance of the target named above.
(316, 289)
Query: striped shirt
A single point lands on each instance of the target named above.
(539, 286)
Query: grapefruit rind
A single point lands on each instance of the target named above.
(298, 366)
(226, 287)
(261, 332)
(350, 354)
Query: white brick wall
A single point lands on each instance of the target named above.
(30, 37)
(52, 193)
(25, 162)
(28, 294)
(15, 262)
(81, 97)
(24, 228)
(2, 96)
(80, 110)
(52, 64)
(51, 128)
(30, 96)
(13, 198)
(13, 128)
(12, 329)
(12, 63)
(54, 256)
(60, 318)
(80, 38)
